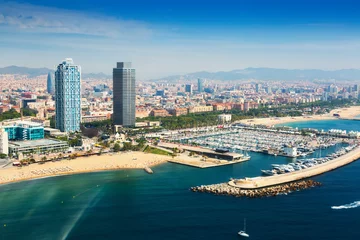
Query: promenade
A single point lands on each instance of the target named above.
(262, 182)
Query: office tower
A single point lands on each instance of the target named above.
(50, 83)
(200, 85)
(268, 89)
(124, 94)
(68, 96)
(356, 88)
(189, 88)
(257, 87)
(4, 141)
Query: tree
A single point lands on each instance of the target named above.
(29, 112)
(3, 155)
(116, 147)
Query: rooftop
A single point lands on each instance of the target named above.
(34, 143)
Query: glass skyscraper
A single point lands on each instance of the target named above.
(200, 85)
(50, 83)
(124, 94)
(68, 96)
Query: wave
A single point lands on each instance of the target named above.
(347, 206)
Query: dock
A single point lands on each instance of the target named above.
(263, 182)
(148, 170)
(209, 163)
(230, 156)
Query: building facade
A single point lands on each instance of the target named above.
(68, 96)
(24, 130)
(189, 88)
(50, 84)
(4, 142)
(200, 85)
(124, 94)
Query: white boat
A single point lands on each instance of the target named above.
(243, 232)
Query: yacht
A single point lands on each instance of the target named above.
(243, 232)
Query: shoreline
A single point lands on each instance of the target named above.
(76, 173)
(350, 113)
(81, 165)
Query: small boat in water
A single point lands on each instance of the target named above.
(243, 232)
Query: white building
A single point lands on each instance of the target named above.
(4, 142)
(291, 151)
(224, 118)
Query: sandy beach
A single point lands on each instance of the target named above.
(345, 113)
(123, 160)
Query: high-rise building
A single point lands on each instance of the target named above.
(4, 142)
(68, 96)
(124, 94)
(200, 85)
(356, 88)
(189, 88)
(257, 87)
(50, 83)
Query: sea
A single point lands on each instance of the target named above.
(131, 204)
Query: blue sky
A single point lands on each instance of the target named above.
(175, 37)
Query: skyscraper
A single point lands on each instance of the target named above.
(124, 94)
(200, 85)
(68, 96)
(189, 88)
(257, 87)
(50, 83)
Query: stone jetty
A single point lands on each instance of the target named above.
(226, 189)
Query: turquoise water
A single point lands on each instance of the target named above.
(135, 205)
(326, 124)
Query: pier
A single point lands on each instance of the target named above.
(263, 182)
(226, 189)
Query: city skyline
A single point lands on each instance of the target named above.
(256, 34)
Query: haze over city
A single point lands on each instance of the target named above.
(165, 38)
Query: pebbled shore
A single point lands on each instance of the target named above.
(226, 189)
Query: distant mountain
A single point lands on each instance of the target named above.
(31, 72)
(34, 72)
(272, 74)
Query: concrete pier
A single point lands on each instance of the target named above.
(262, 182)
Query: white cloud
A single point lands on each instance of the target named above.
(33, 18)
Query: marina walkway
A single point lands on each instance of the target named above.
(261, 182)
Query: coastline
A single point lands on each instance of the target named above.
(263, 182)
(106, 162)
(345, 114)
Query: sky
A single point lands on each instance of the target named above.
(167, 37)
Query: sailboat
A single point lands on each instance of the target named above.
(243, 232)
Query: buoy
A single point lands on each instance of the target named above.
(4, 225)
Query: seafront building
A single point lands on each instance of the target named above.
(40, 146)
(50, 84)
(124, 94)
(24, 130)
(4, 142)
(68, 96)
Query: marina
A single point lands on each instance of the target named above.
(278, 179)
(242, 139)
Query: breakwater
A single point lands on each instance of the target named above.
(226, 189)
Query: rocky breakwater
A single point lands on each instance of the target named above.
(226, 189)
